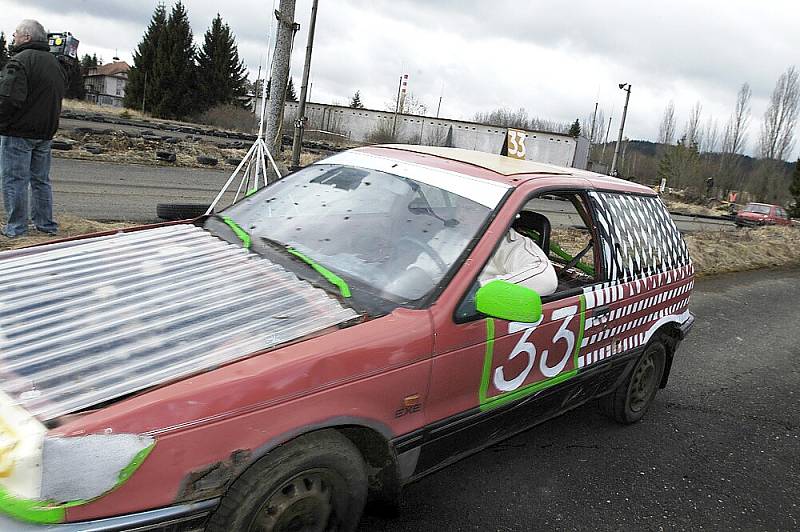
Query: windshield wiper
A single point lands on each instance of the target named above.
(328, 275)
(243, 235)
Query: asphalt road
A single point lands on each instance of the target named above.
(719, 449)
(128, 192)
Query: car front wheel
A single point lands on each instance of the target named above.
(629, 402)
(315, 483)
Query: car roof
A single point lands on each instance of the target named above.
(499, 168)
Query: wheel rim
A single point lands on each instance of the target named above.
(304, 503)
(642, 384)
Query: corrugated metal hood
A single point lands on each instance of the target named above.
(88, 321)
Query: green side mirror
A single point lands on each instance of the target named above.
(508, 301)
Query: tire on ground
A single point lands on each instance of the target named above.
(298, 482)
(60, 145)
(210, 161)
(180, 211)
(167, 156)
(628, 403)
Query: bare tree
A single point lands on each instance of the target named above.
(735, 135)
(504, 117)
(596, 135)
(780, 118)
(709, 141)
(693, 132)
(666, 131)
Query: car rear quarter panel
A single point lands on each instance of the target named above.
(210, 427)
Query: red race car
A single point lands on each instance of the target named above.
(360, 323)
(757, 214)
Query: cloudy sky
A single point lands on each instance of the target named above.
(555, 59)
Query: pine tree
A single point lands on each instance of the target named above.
(355, 103)
(221, 74)
(143, 74)
(175, 71)
(665, 168)
(3, 50)
(76, 90)
(575, 129)
(291, 95)
(794, 190)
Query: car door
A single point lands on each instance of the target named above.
(492, 378)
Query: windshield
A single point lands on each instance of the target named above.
(395, 235)
(756, 208)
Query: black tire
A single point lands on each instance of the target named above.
(180, 211)
(209, 161)
(317, 482)
(167, 156)
(61, 145)
(629, 402)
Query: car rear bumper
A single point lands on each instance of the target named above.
(182, 518)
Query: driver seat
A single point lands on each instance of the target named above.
(536, 227)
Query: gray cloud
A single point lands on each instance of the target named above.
(553, 58)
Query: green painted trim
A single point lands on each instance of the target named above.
(31, 511)
(250, 192)
(134, 464)
(487, 403)
(43, 512)
(329, 276)
(241, 233)
(507, 397)
(487, 361)
(582, 311)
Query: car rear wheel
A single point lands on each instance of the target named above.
(316, 483)
(629, 402)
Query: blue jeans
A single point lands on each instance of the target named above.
(26, 163)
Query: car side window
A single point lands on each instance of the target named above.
(638, 236)
(549, 248)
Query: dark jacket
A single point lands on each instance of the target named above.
(32, 85)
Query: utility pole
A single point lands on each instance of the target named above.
(627, 88)
(397, 105)
(300, 122)
(605, 142)
(279, 77)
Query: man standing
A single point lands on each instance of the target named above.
(32, 86)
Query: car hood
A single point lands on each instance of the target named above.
(746, 215)
(88, 321)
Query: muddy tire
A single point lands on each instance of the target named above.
(316, 482)
(208, 161)
(629, 402)
(60, 145)
(180, 211)
(166, 156)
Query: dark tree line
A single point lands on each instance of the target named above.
(171, 78)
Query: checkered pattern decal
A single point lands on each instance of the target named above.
(650, 276)
(638, 236)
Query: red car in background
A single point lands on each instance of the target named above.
(755, 214)
(324, 341)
